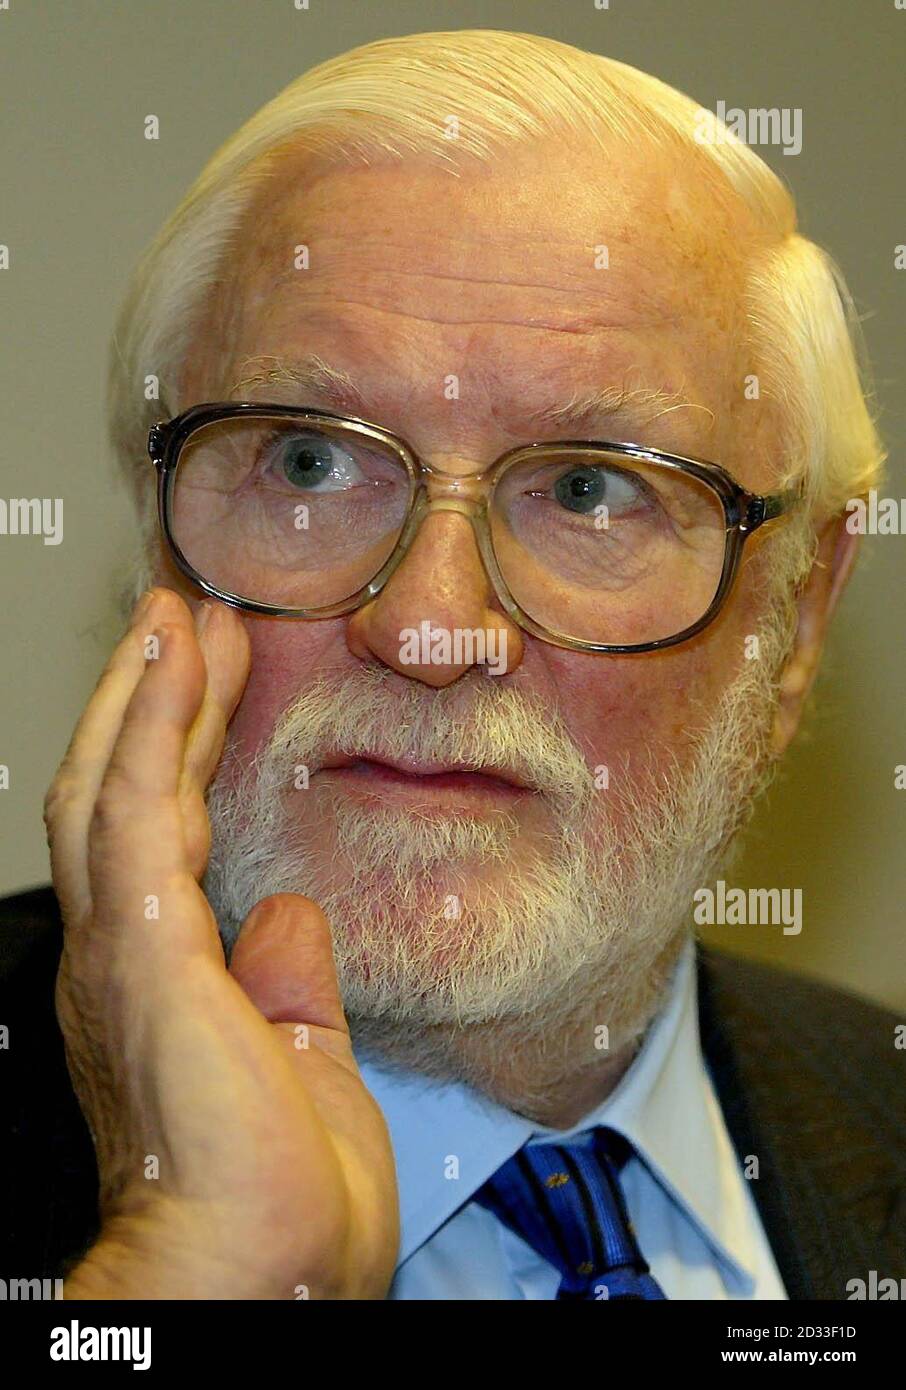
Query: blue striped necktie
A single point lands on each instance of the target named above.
(565, 1201)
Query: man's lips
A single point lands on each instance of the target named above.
(426, 777)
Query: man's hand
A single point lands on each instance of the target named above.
(240, 1154)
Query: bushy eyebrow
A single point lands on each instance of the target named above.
(312, 377)
(308, 377)
(642, 403)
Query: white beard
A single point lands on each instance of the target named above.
(507, 995)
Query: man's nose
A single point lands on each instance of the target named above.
(433, 619)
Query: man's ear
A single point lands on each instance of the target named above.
(837, 550)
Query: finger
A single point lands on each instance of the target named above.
(137, 842)
(98, 728)
(147, 757)
(73, 792)
(283, 960)
(227, 654)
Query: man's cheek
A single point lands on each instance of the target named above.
(286, 657)
(622, 707)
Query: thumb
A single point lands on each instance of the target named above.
(283, 961)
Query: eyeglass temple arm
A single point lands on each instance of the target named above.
(758, 510)
(157, 442)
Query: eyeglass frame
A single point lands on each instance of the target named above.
(744, 512)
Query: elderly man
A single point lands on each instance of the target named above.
(502, 426)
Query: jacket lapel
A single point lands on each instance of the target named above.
(801, 1072)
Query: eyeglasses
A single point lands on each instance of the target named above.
(592, 546)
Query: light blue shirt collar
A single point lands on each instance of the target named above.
(448, 1139)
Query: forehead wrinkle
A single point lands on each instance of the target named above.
(396, 281)
(556, 310)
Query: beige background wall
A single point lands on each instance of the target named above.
(81, 191)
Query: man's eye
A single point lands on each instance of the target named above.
(314, 462)
(584, 488)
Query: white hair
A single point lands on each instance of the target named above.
(387, 100)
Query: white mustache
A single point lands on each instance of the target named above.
(476, 723)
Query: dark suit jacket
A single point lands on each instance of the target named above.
(808, 1077)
